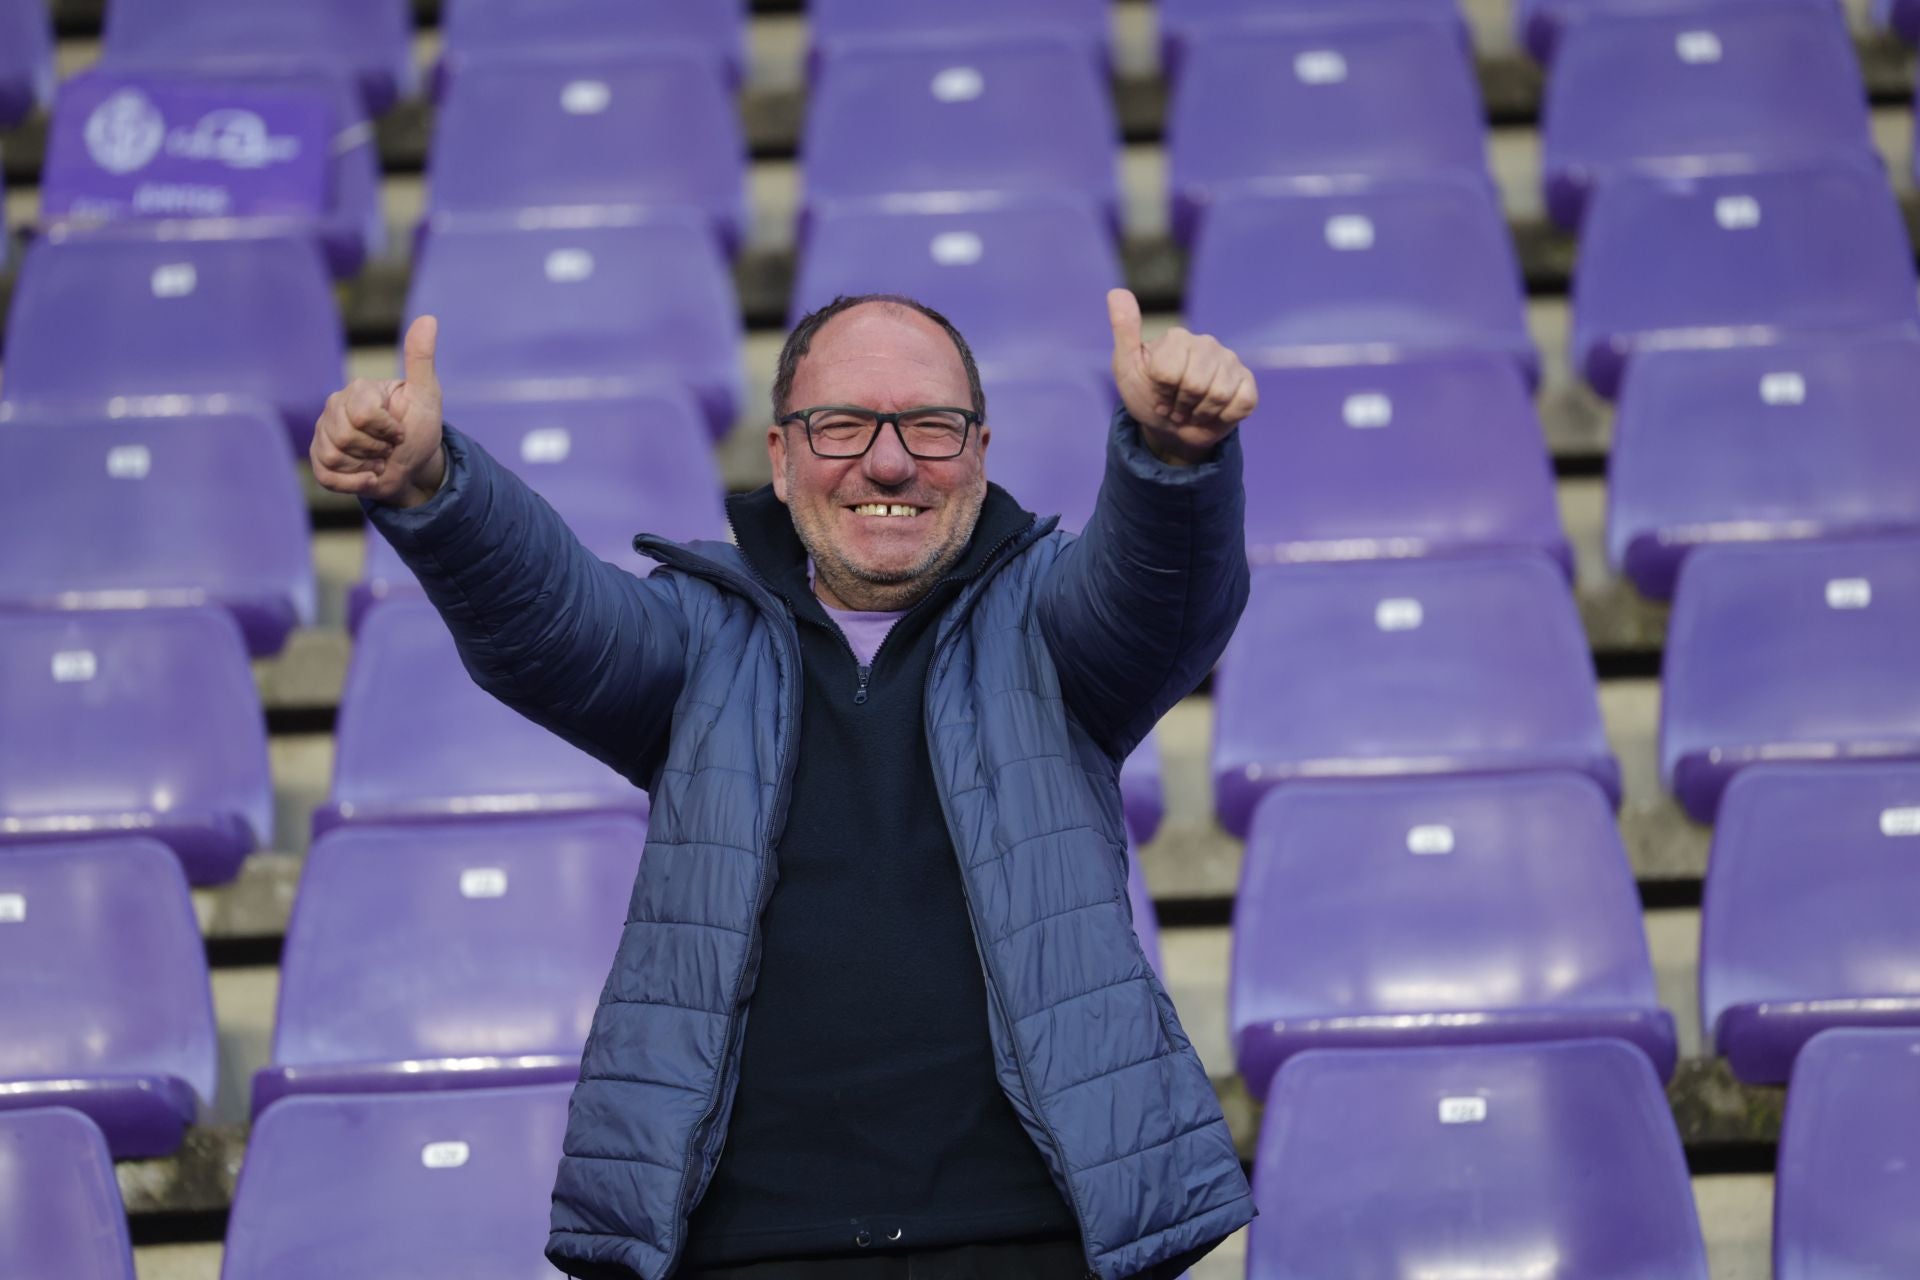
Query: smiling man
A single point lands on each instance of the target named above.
(879, 1010)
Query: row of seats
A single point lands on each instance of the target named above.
(1563, 1156)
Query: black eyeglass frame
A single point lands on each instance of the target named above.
(969, 420)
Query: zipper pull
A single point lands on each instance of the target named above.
(860, 694)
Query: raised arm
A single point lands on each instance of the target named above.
(587, 650)
(1137, 610)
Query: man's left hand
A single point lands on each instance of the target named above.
(1187, 392)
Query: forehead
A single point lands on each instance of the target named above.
(883, 356)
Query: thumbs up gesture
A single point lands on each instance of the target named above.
(381, 439)
(1186, 391)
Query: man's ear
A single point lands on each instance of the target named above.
(986, 438)
(777, 455)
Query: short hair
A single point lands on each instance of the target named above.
(800, 341)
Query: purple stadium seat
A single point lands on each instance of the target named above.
(1796, 651)
(477, 31)
(1408, 667)
(1403, 268)
(117, 513)
(1811, 897)
(1806, 438)
(545, 142)
(1681, 95)
(61, 1213)
(138, 720)
(418, 740)
(1026, 284)
(587, 311)
(1737, 259)
(1903, 16)
(1081, 23)
(612, 468)
(1431, 457)
(1141, 796)
(401, 1184)
(1495, 910)
(365, 42)
(238, 161)
(455, 955)
(1300, 108)
(953, 126)
(1541, 1160)
(1184, 22)
(1049, 445)
(1849, 1146)
(1538, 24)
(26, 59)
(175, 326)
(104, 979)
(1145, 924)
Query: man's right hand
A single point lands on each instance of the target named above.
(381, 439)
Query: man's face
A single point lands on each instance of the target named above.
(882, 357)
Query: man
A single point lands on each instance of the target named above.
(879, 1009)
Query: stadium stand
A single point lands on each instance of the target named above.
(1439, 456)
(1082, 23)
(1801, 438)
(1301, 108)
(26, 59)
(449, 955)
(1401, 268)
(1427, 1140)
(480, 31)
(1540, 23)
(1394, 668)
(117, 513)
(399, 1184)
(105, 986)
(1903, 16)
(1686, 94)
(1801, 651)
(1809, 910)
(1184, 21)
(1847, 1154)
(1489, 910)
(1035, 453)
(143, 720)
(61, 1214)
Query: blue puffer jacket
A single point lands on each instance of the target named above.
(1048, 669)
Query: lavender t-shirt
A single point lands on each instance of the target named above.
(864, 631)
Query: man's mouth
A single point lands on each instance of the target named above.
(892, 509)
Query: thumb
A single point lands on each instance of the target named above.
(1123, 311)
(417, 354)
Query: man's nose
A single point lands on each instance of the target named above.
(888, 462)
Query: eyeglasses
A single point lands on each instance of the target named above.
(933, 433)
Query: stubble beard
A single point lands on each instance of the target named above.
(884, 591)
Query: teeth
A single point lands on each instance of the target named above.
(885, 509)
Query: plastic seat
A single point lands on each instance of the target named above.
(454, 955)
(1809, 907)
(1538, 24)
(1050, 441)
(418, 740)
(1733, 259)
(1680, 95)
(26, 59)
(1799, 651)
(612, 468)
(104, 978)
(1433, 457)
(1301, 108)
(1843, 1192)
(1183, 22)
(1145, 923)
(62, 1214)
(545, 141)
(1805, 438)
(406, 1184)
(1903, 16)
(270, 125)
(1026, 285)
(1417, 667)
(1494, 910)
(952, 126)
(1081, 23)
(116, 513)
(1401, 269)
(173, 326)
(481, 31)
(140, 720)
(366, 42)
(585, 311)
(1549, 1160)
(1141, 796)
